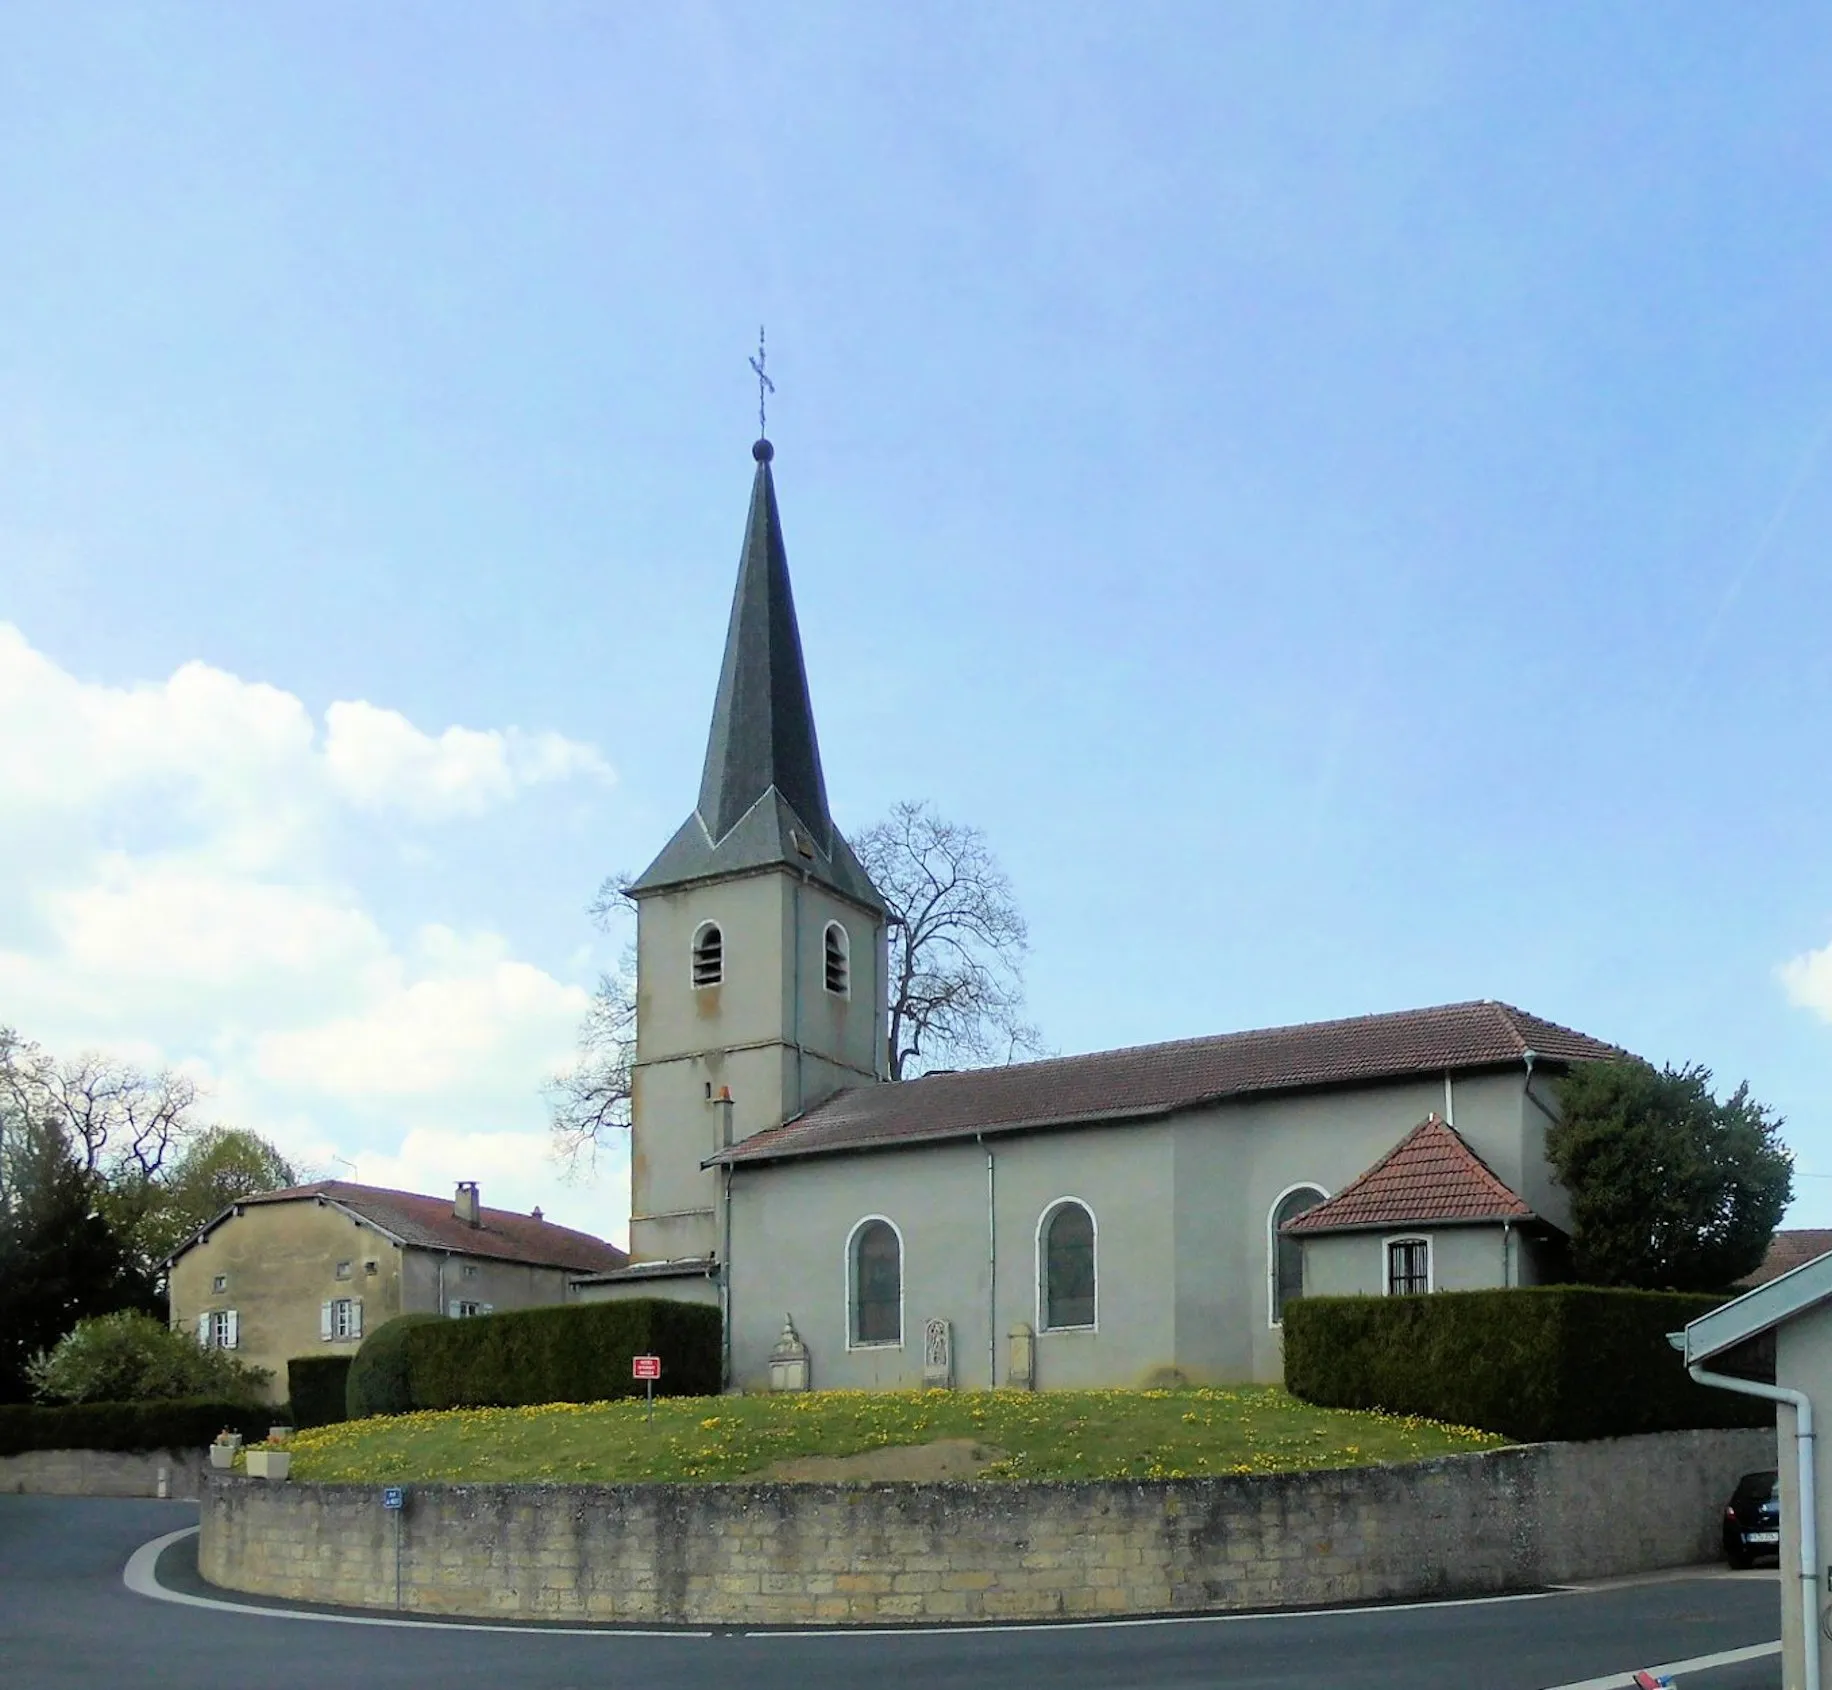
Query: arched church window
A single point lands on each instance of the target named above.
(708, 955)
(875, 1283)
(1066, 1248)
(1285, 1255)
(839, 960)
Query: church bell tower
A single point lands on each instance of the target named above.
(760, 948)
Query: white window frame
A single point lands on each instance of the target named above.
(1272, 1248)
(849, 1285)
(219, 1283)
(693, 956)
(827, 933)
(220, 1329)
(1386, 1263)
(464, 1309)
(341, 1320)
(1050, 1211)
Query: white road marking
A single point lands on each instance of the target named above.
(1698, 1663)
(141, 1578)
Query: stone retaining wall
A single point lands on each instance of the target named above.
(102, 1472)
(785, 1554)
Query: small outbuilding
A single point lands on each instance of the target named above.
(1776, 1342)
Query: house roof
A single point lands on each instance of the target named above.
(1147, 1081)
(1787, 1251)
(763, 797)
(429, 1223)
(1430, 1176)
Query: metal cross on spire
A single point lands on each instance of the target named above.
(764, 384)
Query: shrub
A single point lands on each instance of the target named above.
(316, 1386)
(126, 1425)
(1535, 1363)
(131, 1357)
(577, 1352)
(378, 1382)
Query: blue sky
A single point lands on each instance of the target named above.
(1339, 495)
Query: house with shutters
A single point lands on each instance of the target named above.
(1107, 1219)
(307, 1270)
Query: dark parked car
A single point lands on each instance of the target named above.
(1752, 1520)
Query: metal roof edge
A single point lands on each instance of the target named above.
(1753, 1313)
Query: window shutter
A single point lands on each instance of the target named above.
(455, 1309)
(203, 1331)
(230, 1336)
(325, 1315)
(356, 1317)
(486, 1308)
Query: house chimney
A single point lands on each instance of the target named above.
(466, 1205)
(537, 1213)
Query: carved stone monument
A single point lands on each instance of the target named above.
(1021, 1369)
(938, 1356)
(789, 1360)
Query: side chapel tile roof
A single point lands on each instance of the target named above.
(429, 1223)
(1430, 1175)
(1153, 1080)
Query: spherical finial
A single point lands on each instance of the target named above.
(763, 451)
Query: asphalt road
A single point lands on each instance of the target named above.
(68, 1622)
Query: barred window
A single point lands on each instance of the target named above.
(1408, 1267)
(1068, 1266)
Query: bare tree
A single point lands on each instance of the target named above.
(957, 944)
(120, 1122)
(957, 947)
(588, 1103)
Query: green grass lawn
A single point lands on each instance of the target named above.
(1049, 1435)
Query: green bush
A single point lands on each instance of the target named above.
(131, 1357)
(378, 1382)
(127, 1425)
(316, 1387)
(579, 1352)
(1537, 1363)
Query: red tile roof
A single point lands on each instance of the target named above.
(429, 1223)
(1153, 1080)
(1430, 1175)
(1787, 1251)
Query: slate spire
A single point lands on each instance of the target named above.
(763, 799)
(762, 723)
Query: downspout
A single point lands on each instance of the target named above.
(1507, 1262)
(725, 1287)
(1808, 1523)
(1450, 1102)
(992, 1278)
(795, 946)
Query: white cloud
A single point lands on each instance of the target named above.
(1807, 979)
(174, 887)
(378, 759)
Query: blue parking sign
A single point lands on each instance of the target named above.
(393, 1496)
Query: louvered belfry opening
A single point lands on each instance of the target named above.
(708, 955)
(839, 965)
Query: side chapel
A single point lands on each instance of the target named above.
(1111, 1219)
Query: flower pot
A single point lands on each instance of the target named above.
(269, 1463)
(278, 1434)
(222, 1456)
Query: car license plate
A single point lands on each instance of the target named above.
(1761, 1537)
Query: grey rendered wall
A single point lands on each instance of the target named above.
(1354, 1264)
(434, 1281)
(1803, 1362)
(771, 1033)
(791, 1225)
(1233, 1164)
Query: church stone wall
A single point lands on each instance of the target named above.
(779, 1554)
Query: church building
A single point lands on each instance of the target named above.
(1113, 1219)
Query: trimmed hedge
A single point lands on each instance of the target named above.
(1537, 1363)
(377, 1382)
(176, 1423)
(316, 1386)
(576, 1352)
